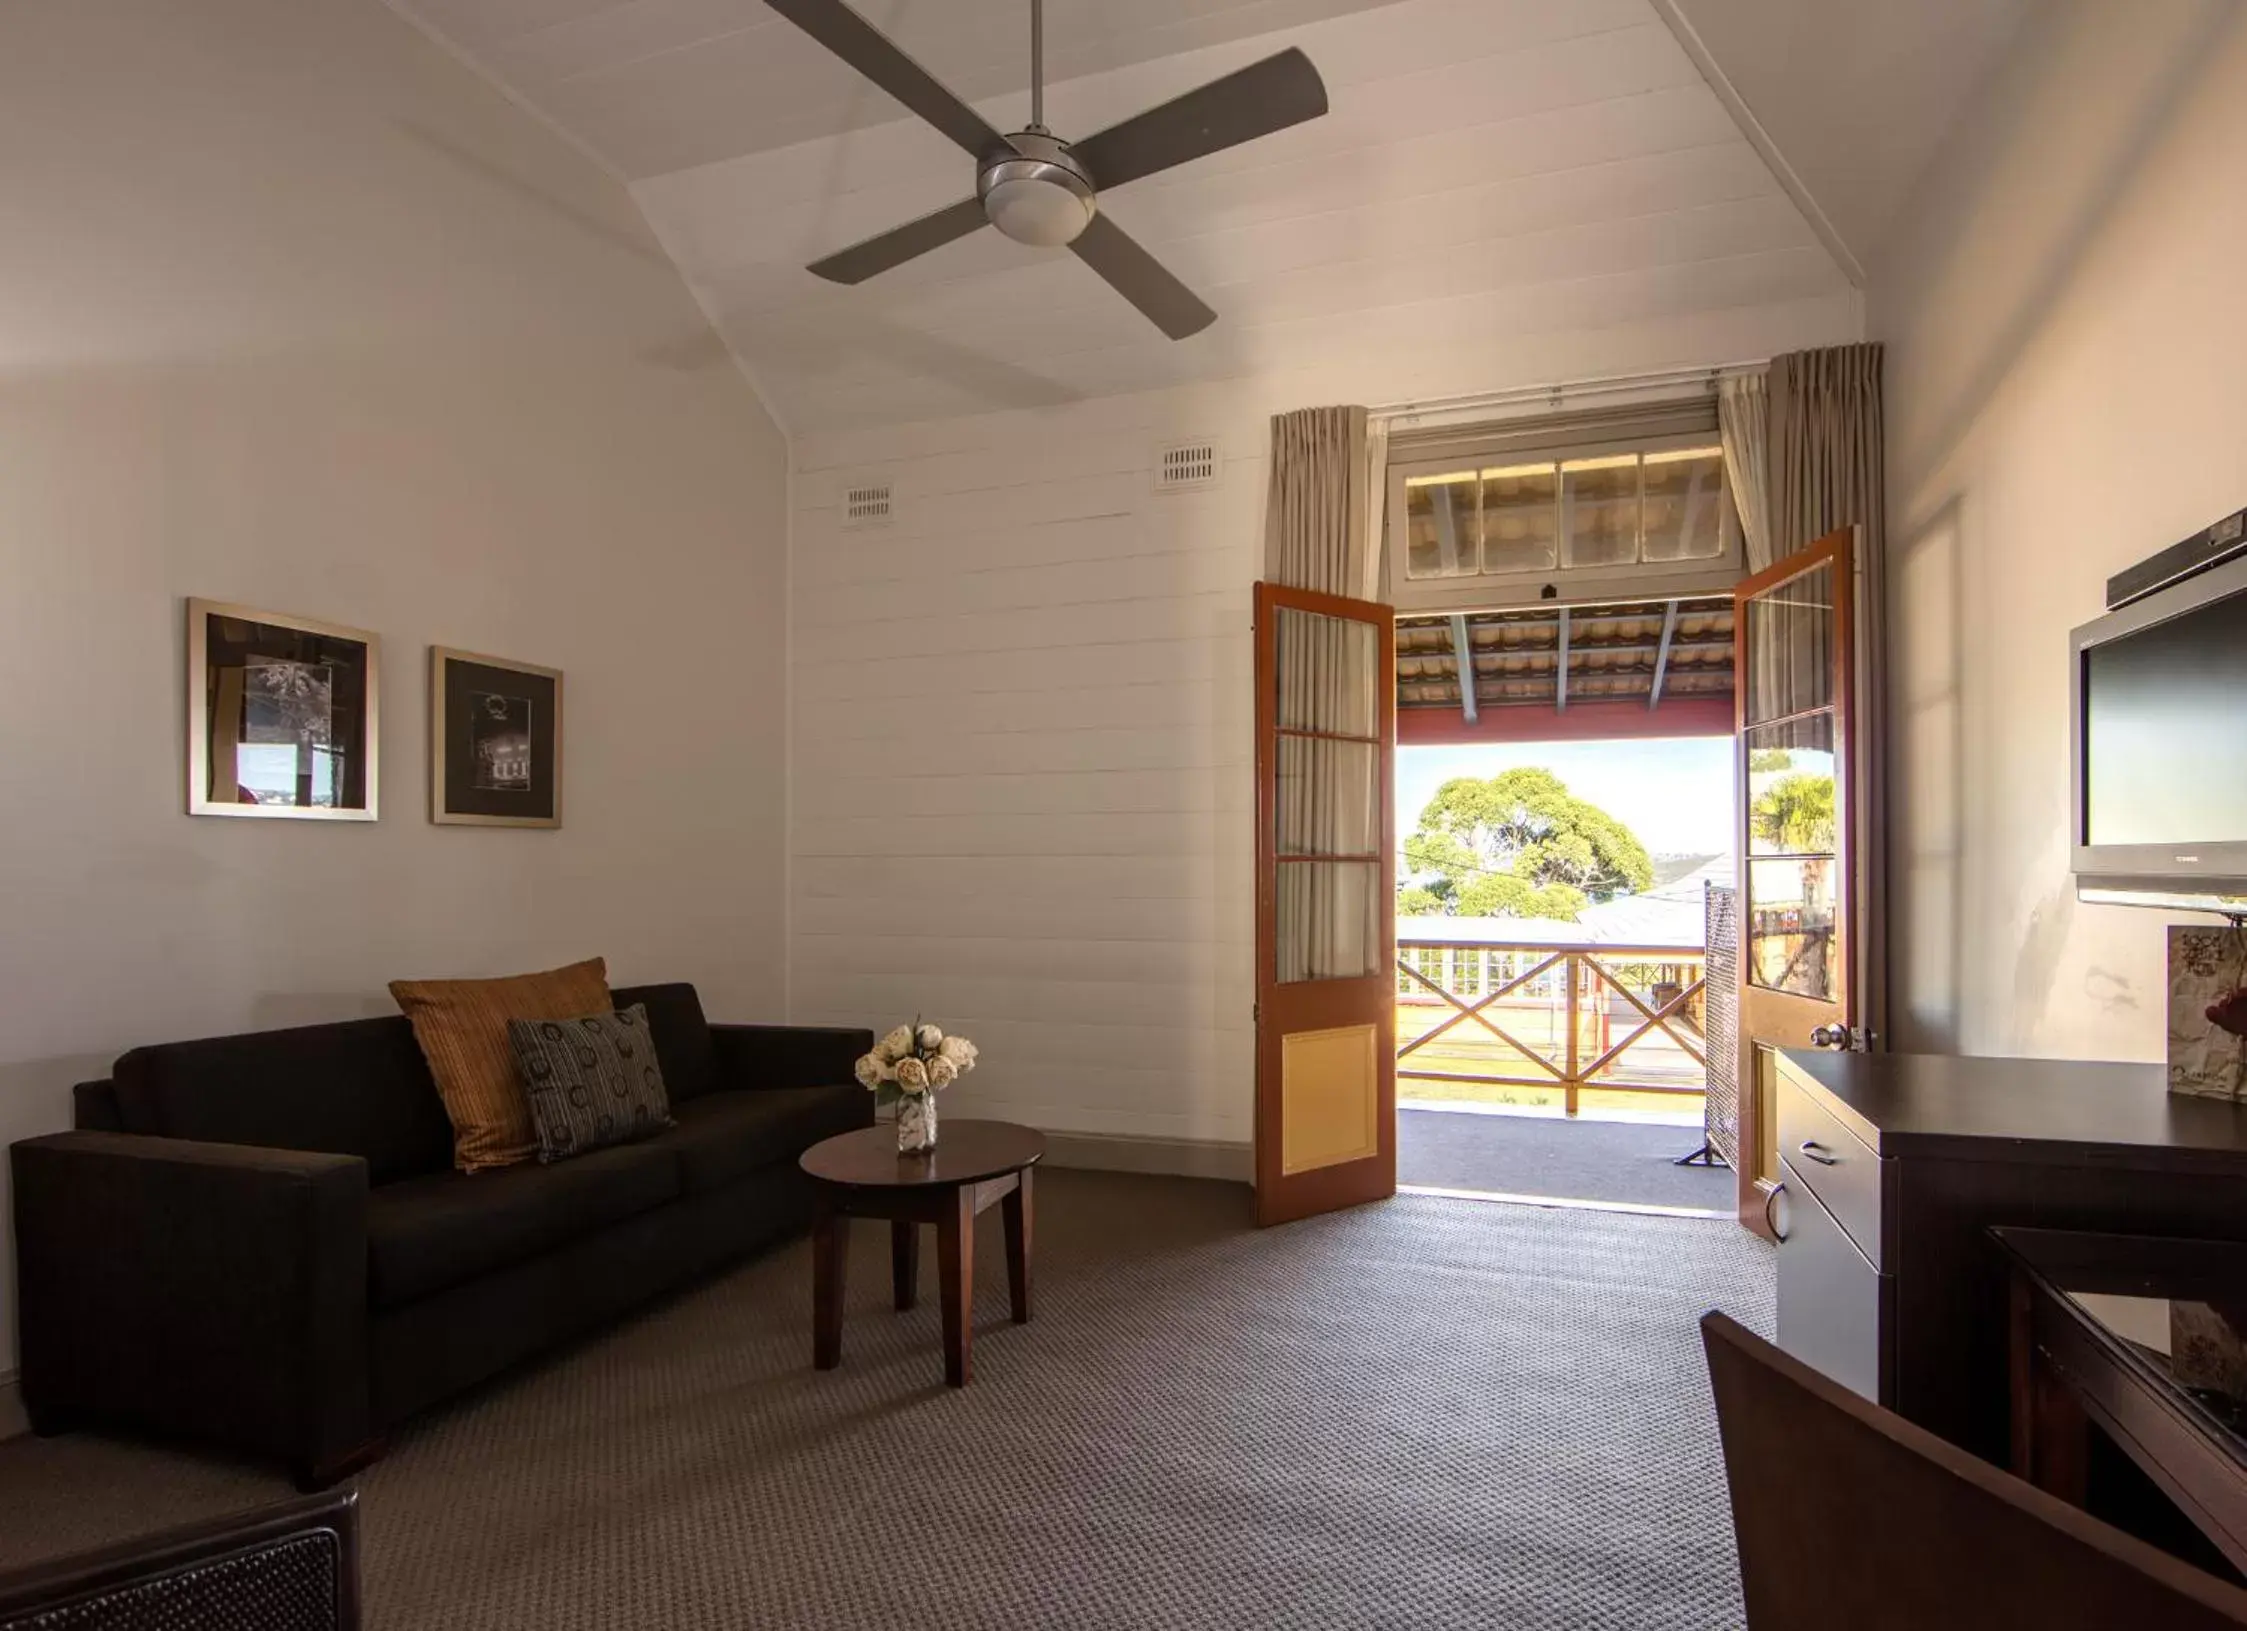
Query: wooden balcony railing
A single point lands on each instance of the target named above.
(1627, 1018)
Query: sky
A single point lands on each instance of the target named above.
(1675, 793)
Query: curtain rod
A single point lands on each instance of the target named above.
(1557, 395)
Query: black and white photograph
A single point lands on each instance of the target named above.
(495, 741)
(500, 727)
(281, 715)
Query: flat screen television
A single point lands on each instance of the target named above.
(2160, 747)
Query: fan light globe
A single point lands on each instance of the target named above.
(1034, 209)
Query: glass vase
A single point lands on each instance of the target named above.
(916, 1123)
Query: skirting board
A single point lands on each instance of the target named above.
(1178, 1157)
(12, 1419)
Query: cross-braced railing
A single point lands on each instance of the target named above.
(1564, 1016)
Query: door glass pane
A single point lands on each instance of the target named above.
(1329, 920)
(1791, 787)
(1791, 944)
(1440, 525)
(1329, 799)
(1599, 511)
(1518, 517)
(1327, 673)
(1684, 508)
(1790, 647)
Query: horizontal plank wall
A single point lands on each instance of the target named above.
(1021, 717)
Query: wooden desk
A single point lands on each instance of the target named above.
(2096, 1322)
(1893, 1169)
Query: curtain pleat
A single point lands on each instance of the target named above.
(1743, 418)
(1315, 533)
(1323, 532)
(1827, 452)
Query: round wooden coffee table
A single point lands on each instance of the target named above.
(861, 1175)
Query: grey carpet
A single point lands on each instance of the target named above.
(1546, 1155)
(1424, 1414)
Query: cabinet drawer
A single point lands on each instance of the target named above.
(1837, 1168)
(1832, 1302)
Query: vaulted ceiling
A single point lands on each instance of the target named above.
(1491, 171)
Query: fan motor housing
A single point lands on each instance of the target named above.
(1035, 191)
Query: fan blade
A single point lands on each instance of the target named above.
(1265, 96)
(1141, 279)
(860, 44)
(900, 244)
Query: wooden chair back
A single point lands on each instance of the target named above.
(1850, 1518)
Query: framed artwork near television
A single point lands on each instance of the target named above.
(281, 715)
(495, 741)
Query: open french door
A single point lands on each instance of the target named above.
(1326, 998)
(1801, 776)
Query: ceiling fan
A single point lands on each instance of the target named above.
(1038, 189)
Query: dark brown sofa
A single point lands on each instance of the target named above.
(259, 1241)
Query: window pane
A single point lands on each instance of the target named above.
(1518, 505)
(1440, 527)
(1791, 926)
(1327, 673)
(1329, 798)
(1791, 788)
(1329, 920)
(1684, 507)
(1599, 511)
(1790, 647)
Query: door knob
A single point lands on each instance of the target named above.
(1840, 1038)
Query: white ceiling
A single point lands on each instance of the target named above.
(1490, 171)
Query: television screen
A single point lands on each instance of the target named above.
(2165, 731)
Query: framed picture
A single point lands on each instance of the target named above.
(495, 741)
(281, 715)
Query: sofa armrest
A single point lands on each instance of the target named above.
(788, 1055)
(216, 1291)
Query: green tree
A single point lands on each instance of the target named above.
(1517, 844)
(1762, 761)
(1795, 813)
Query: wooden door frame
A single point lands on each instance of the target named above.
(1763, 1010)
(1327, 1188)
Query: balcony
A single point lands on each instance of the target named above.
(1559, 1028)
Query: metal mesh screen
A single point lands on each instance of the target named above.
(1721, 1112)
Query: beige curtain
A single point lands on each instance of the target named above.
(1323, 532)
(1827, 472)
(1315, 520)
(1743, 419)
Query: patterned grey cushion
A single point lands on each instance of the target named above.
(591, 1081)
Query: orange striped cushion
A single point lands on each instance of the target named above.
(462, 1028)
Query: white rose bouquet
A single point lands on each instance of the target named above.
(907, 1069)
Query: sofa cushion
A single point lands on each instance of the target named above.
(591, 1081)
(682, 1036)
(462, 1028)
(425, 1234)
(360, 1088)
(725, 1136)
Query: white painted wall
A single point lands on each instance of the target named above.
(296, 311)
(1023, 777)
(2065, 393)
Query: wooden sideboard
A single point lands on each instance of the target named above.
(1893, 1168)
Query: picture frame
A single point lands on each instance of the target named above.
(283, 715)
(495, 741)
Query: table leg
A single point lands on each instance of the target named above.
(904, 1262)
(1018, 1212)
(830, 1251)
(955, 1255)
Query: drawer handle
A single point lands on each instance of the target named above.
(1774, 1216)
(1819, 1153)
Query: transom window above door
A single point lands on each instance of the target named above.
(1572, 509)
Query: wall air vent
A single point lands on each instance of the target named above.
(1186, 466)
(866, 504)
